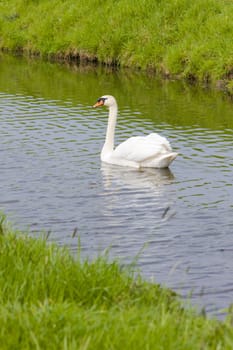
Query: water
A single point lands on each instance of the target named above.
(179, 221)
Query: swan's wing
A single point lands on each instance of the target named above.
(140, 148)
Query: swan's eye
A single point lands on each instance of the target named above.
(102, 99)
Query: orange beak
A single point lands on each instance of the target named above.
(98, 104)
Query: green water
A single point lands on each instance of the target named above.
(203, 107)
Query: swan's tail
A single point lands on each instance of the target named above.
(167, 160)
(162, 162)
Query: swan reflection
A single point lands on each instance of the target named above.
(136, 199)
(147, 178)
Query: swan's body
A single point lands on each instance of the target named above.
(152, 151)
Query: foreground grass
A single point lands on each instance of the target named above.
(187, 39)
(49, 300)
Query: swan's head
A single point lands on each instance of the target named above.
(106, 100)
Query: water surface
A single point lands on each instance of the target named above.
(179, 220)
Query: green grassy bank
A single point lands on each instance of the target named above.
(51, 300)
(182, 38)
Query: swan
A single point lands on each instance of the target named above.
(153, 150)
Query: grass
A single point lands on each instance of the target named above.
(181, 38)
(51, 300)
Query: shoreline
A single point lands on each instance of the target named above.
(92, 61)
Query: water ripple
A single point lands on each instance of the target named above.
(180, 221)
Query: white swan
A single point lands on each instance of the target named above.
(152, 151)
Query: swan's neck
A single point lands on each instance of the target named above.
(109, 140)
